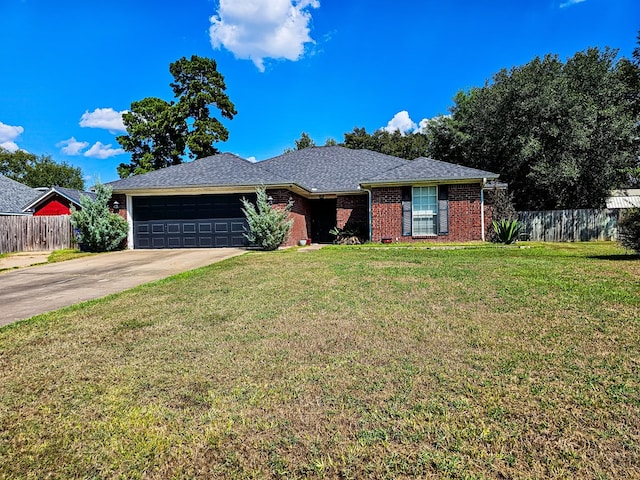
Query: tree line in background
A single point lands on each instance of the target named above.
(561, 134)
(39, 171)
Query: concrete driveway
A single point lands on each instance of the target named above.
(43, 288)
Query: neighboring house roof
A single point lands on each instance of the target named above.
(331, 169)
(629, 198)
(316, 170)
(69, 193)
(224, 169)
(427, 169)
(14, 195)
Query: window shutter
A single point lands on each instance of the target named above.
(443, 210)
(406, 211)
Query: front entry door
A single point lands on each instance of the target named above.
(323, 219)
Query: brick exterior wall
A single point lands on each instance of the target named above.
(352, 213)
(464, 215)
(299, 213)
(122, 202)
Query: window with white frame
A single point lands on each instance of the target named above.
(424, 210)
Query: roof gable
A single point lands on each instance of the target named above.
(69, 193)
(14, 195)
(223, 169)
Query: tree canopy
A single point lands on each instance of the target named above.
(160, 133)
(39, 171)
(561, 134)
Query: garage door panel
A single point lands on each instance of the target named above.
(204, 228)
(237, 226)
(173, 228)
(188, 221)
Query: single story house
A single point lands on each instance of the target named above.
(197, 204)
(56, 201)
(14, 196)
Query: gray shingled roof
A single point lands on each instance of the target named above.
(223, 169)
(427, 169)
(69, 193)
(331, 169)
(14, 195)
(318, 170)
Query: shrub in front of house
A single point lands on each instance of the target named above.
(98, 229)
(629, 229)
(269, 227)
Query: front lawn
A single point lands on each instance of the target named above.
(348, 362)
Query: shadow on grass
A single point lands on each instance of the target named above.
(617, 258)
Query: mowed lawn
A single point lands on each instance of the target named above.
(348, 362)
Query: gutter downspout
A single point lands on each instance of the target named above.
(129, 207)
(484, 181)
(370, 213)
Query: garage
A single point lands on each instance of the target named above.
(188, 221)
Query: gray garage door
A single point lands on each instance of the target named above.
(198, 221)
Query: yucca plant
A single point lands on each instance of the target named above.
(507, 231)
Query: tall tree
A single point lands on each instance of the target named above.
(160, 133)
(39, 171)
(156, 137)
(561, 134)
(198, 86)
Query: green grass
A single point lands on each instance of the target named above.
(66, 254)
(348, 362)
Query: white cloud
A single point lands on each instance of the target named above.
(401, 121)
(106, 118)
(570, 3)
(99, 150)
(252, 159)
(8, 135)
(260, 29)
(72, 146)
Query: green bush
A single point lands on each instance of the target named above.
(629, 229)
(268, 226)
(98, 229)
(506, 231)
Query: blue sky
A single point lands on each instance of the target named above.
(69, 68)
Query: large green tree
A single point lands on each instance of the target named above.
(562, 134)
(160, 133)
(397, 143)
(39, 171)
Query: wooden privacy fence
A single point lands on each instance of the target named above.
(25, 233)
(570, 225)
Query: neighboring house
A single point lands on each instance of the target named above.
(197, 204)
(14, 196)
(56, 201)
(623, 199)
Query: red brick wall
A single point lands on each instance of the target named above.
(386, 213)
(122, 202)
(464, 215)
(352, 213)
(299, 214)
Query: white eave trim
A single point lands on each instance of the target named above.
(418, 182)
